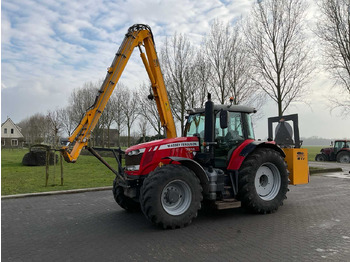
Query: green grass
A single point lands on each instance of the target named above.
(85, 173)
(312, 151)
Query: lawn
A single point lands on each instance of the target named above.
(85, 173)
(313, 151)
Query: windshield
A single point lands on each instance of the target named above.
(195, 126)
(237, 122)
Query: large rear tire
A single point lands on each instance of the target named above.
(123, 201)
(343, 157)
(171, 196)
(263, 181)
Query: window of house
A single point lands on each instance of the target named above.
(12, 131)
(5, 131)
(14, 142)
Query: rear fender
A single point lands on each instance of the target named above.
(196, 168)
(243, 151)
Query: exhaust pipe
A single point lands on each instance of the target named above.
(209, 130)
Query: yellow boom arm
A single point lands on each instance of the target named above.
(138, 35)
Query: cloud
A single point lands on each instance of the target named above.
(50, 47)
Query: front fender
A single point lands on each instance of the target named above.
(196, 168)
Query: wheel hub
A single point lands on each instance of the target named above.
(176, 197)
(267, 181)
(172, 195)
(264, 180)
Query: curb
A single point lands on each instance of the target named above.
(72, 191)
(327, 170)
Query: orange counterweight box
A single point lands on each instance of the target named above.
(298, 166)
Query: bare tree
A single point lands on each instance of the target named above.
(130, 108)
(35, 129)
(177, 59)
(202, 74)
(218, 52)
(277, 44)
(54, 118)
(107, 118)
(334, 31)
(149, 110)
(81, 99)
(66, 119)
(118, 108)
(143, 124)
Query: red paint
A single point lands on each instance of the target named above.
(155, 151)
(236, 159)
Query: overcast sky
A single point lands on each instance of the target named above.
(50, 47)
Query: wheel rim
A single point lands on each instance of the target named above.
(176, 197)
(267, 181)
(345, 159)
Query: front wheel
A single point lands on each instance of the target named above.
(320, 157)
(171, 196)
(343, 157)
(123, 201)
(263, 181)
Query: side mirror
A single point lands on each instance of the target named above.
(223, 119)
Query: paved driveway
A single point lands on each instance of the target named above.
(313, 225)
(345, 167)
(333, 164)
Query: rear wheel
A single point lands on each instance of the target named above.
(263, 182)
(320, 157)
(171, 196)
(343, 157)
(123, 201)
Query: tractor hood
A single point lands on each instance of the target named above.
(166, 143)
(327, 149)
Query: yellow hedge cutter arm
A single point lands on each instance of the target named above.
(138, 35)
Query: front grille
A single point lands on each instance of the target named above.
(133, 160)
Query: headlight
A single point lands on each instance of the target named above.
(132, 168)
(136, 152)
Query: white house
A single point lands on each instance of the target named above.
(11, 136)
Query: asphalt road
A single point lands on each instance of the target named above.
(313, 225)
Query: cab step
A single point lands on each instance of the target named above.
(227, 203)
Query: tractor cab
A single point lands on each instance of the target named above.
(231, 126)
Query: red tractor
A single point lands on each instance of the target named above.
(340, 152)
(217, 161)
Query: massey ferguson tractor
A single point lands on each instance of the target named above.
(218, 161)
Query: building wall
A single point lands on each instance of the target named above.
(11, 136)
(12, 142)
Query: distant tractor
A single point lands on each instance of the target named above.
(340, 152)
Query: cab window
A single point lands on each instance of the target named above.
(195, 126)
(339, 145)
(227, 139)
(233, 132)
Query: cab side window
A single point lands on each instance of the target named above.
(227, 139)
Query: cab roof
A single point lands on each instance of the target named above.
(230, 108)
